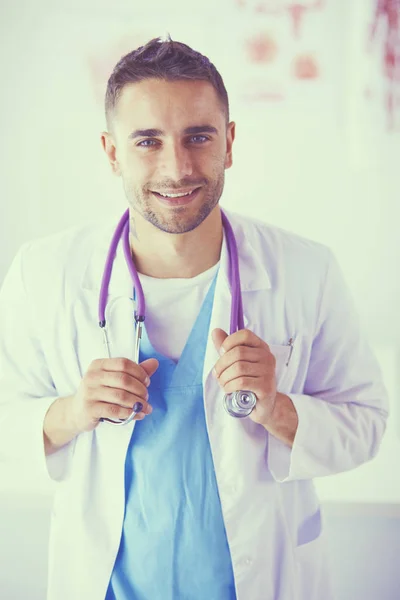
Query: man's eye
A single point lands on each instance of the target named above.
(147, 143)
(199, 139)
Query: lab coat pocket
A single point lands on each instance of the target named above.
(283, 362)
(309, 529)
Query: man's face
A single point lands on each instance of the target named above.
(171, 138)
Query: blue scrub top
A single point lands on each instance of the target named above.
(173, 544)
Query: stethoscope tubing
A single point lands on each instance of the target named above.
(238, 404)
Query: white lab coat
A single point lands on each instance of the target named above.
(292, 288)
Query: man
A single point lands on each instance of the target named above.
(185, 502)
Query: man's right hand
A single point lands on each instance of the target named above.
(109, 389)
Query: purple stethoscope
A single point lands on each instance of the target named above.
(238, 404)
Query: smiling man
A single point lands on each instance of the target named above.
(173, 174)
(183, 501)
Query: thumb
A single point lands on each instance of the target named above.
(218, 337)
(150, 365)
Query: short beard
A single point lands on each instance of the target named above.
(139, 202)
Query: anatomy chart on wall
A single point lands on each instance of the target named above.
(374, 82)
(284, 53)
(311, 58)
(383, 53)
(295, 11)
(276, 53)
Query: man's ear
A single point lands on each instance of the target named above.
(230, 136)
(110, 149)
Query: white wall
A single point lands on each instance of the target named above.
(318, 163)
(296, 163)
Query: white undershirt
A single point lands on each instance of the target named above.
(172, 307)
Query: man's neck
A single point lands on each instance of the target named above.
(167, 256)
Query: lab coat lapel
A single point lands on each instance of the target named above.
(253, 276)
(120, 328)
(90, 341)
(90, 346)
(220, 318)
(121, 336)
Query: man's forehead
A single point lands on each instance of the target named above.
(159, 98)
(154, 86)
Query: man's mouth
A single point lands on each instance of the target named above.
(173, 195)
(175, 199)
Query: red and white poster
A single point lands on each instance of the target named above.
(374, 83)
(284, 54)
(383, 53)
(276, 53)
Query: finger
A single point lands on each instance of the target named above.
(121, 381)
(116, 396)
(118, 413)
(147, 409)
(243, 337)
(250, 384)
(142, 411)
(218, 336)
(143, 407)
(150, 365)
(239, 353)
(121, 365)
(239, 369)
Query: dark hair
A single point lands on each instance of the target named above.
(162, 59)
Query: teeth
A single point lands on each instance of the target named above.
(175, 195)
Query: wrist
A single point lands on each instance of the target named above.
(272, 415)
(59, 427)
(283, 420)
(70, 423)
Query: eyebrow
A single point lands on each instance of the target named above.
(159, 133)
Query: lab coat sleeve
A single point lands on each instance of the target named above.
(343, 409)
(26, 387)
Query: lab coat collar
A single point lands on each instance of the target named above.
(253, 272)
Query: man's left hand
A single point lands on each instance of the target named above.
(247, 363)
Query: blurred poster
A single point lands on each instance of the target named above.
(383, 50)
(374, 83)
(285, 54)
(279, 53)
(295, 11)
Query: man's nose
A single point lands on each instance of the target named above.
(176, 162)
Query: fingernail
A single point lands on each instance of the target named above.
(214, 372)
(222, 351)
(147, 381)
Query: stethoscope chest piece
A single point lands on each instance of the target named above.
(240, 404)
